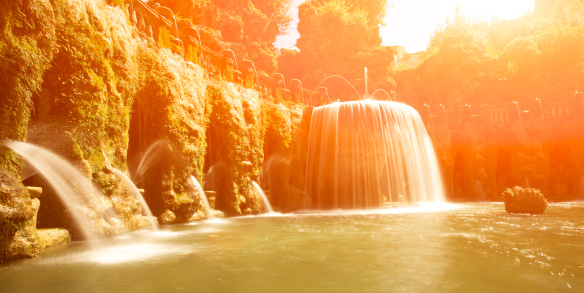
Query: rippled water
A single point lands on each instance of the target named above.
(453, 248)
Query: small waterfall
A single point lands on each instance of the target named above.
(73, 188)
(139, 196)
(153, 154)
(203, 196)
(480, 191)
(527, 183)
(363, 153)
(267, 204)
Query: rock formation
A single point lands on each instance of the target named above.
(524, 200)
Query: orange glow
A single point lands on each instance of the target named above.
(411, 23)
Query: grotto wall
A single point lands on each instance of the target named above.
(85, 83)
(495, 150)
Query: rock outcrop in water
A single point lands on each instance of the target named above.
(17, 210)
(18, 220)
(524, 200)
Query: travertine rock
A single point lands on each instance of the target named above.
(168, 217)
(524, 200)
(52, 237)
(34, 192)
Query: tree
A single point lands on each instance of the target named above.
(339, 37)
(253, 23)
(454, 69)
(538, 55)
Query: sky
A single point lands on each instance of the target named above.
(410, 23)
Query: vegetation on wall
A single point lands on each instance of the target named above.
(255, 24)
(235, 148)
(27, 39)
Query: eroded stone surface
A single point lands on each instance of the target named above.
(524, 200)
(34, 192)
(52, 237)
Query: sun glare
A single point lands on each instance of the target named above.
(411, 23)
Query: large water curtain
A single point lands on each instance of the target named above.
(364, 153)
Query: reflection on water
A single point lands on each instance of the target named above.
(451, 248)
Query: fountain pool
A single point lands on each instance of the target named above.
(423, 248)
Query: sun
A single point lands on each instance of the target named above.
(411, 23)
(502, 9)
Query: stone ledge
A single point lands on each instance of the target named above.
(52, 237)
(34, 192)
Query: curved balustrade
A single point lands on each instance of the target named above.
(527, 116)
(149, 20)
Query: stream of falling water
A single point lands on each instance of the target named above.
(265, 200)
(203, 196)
(73, 188)
(364, 153)
(139, 196)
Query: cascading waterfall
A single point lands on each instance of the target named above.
(265, 200)
(73, 188)
(139, 196)
(203, 196)
(363, 153)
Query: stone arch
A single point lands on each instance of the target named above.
(50, 134)
(149, 159)
(561, 168)
(504, 171)
(140, 22)
(459, 176)
(146, 25)
(53, 136)
(134, 17)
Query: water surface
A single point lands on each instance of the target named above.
(452, 248)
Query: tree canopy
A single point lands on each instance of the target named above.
(339, 37)
(539, 55)
(253, 23)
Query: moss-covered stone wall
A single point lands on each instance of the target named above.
(82, 82)
(235, 156)
(27, 42)
(284, 159)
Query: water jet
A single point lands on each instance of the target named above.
(74, 190)
(138, 196)
(265, 200)
(203, 196)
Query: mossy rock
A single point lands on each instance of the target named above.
(53, 237)
(524, 200)
(17, 220)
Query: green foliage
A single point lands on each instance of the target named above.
(521, 55)
(338, 37)
(88, 88)
(192, 54)
(119, 3)
(249, 79)
(223, 124)
(236, 135)
(277, 129)
(253, 23)
(277, 15)
(228, 74)
(26, 45)
(534, 56)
